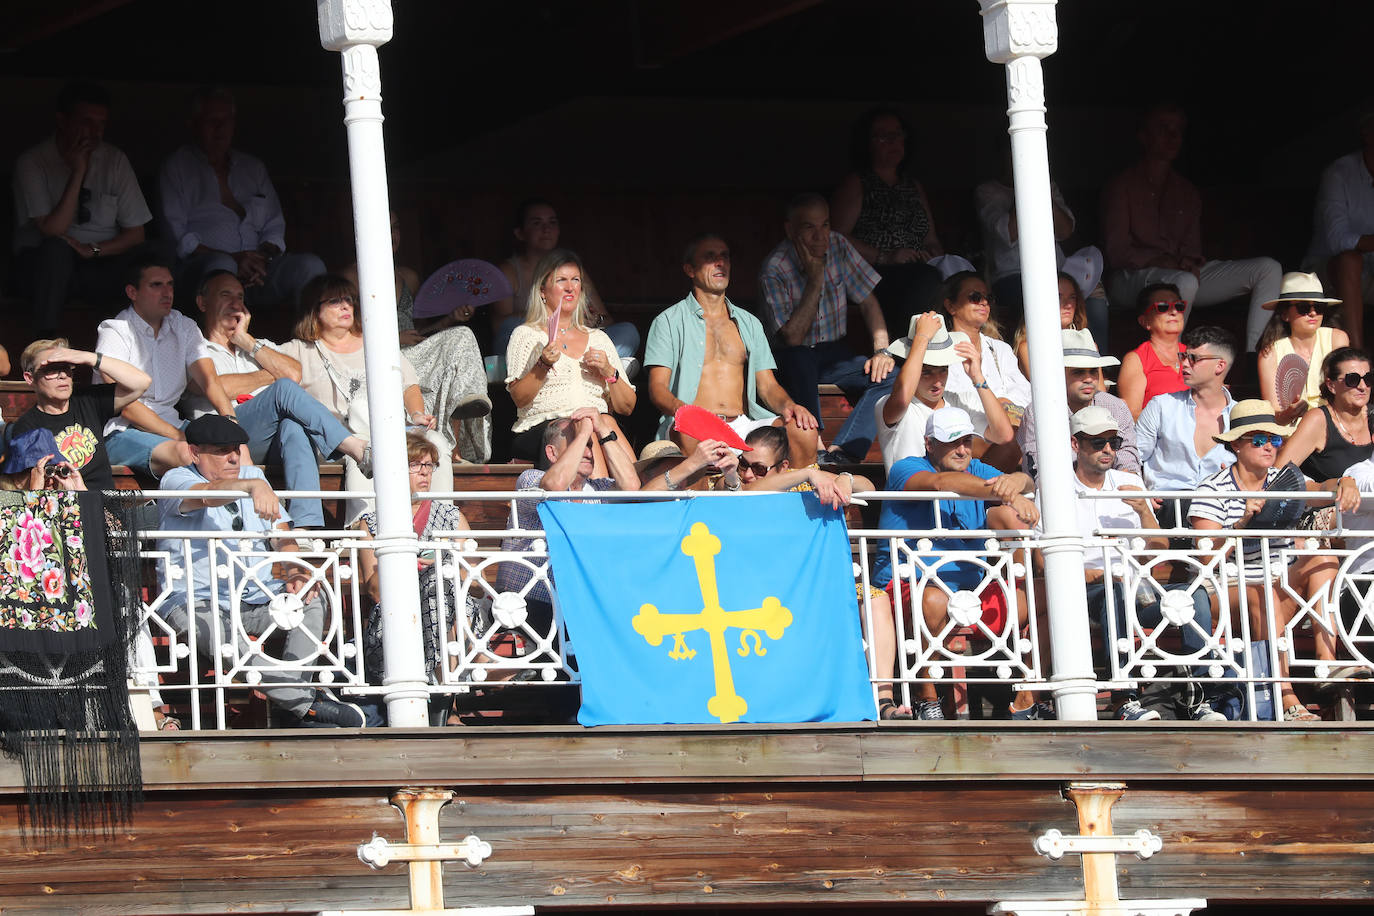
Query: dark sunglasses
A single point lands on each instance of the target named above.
(758, 467)
(52, 370)
(1193, 357)
(1260, 440)
(237, 521)
(978, 297)
(1353, 379)
(1098, 443)
(83, 206)
(1308, 308)
(1178, 305)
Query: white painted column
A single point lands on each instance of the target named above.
(1018, 33)
(356, 28)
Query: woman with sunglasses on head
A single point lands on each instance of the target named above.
(1072, 314)
(1301, 324)
(1336, 435)
(1156, 366)
(969, 306)
(1257, 442)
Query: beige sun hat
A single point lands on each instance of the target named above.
(657, 451)
(1300, 287)
(940, 350)
(1253, 416)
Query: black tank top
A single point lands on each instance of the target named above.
(1340, 453)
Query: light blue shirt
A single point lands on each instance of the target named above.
(214, 518)
(677, 340)
(1164, 434)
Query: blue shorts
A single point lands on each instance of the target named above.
(133, 448)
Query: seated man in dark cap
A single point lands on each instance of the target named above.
(265, 603)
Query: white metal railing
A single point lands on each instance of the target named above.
(1174, 615)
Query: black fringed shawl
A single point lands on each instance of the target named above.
(69, 589)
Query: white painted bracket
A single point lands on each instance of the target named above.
(378, 853)
(1055, 844)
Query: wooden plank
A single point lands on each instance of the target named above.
(952, 751)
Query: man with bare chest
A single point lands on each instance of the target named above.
(220, 207)
(708, 352)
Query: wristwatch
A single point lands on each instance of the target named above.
(256, 347)
(95, 250)
(882, 352)
(609, 437)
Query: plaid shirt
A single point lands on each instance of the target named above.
(847, 277)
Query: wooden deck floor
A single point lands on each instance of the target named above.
(714, 817)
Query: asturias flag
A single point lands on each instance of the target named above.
(710, 610)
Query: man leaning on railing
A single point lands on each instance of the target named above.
(265, 603)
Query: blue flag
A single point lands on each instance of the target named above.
(710, 610)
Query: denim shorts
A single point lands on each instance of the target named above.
(133, 448)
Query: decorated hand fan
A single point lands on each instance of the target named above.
(1282, 513)
(1290, 379)
(467, 282)
(700, 423)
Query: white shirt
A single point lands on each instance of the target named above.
(994, 201)
(1344, 209)
(115, 201)
(1104, 514)
(907, 439)
(999, 371)
(1363, 518)
(228, 361)
(194, 215)
(165, 356)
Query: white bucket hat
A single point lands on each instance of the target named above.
(940, 350)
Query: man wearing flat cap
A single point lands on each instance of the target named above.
(1083, 367)
(262, 603)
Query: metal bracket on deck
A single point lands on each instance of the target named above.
(1055, 844)
(379, 853)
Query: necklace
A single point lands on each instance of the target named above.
(1340, 425)
(1177, 363)
(562, 332)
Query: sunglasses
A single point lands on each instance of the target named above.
(1193, 357)
(51, 370)
(978, 297)
(1353, 379)
(1098, 443)
(1308, 308)
(758, 467)
(1260, 440)
(236, 520)
(1178, 305)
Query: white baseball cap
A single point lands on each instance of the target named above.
(1093, 421)
(948, 424)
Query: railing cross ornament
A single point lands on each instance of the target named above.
(425, 856)
(1098, 847)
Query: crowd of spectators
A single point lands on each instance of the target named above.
(195, 405)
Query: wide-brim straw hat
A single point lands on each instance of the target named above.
(940, 350)
(657, 451)
(1300, 287)
(1252, 416)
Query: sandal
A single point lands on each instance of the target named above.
(167, 723)
(1300, 713)
(889, 711)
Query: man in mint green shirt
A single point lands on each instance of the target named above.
(707, 351)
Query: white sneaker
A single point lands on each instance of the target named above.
(930, 710)
(1204, 713)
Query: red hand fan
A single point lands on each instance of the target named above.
(700, 424)
(1289, 379)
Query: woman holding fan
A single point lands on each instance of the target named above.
(555, 364)
(1294, 344)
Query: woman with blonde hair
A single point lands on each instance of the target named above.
(556, 364)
